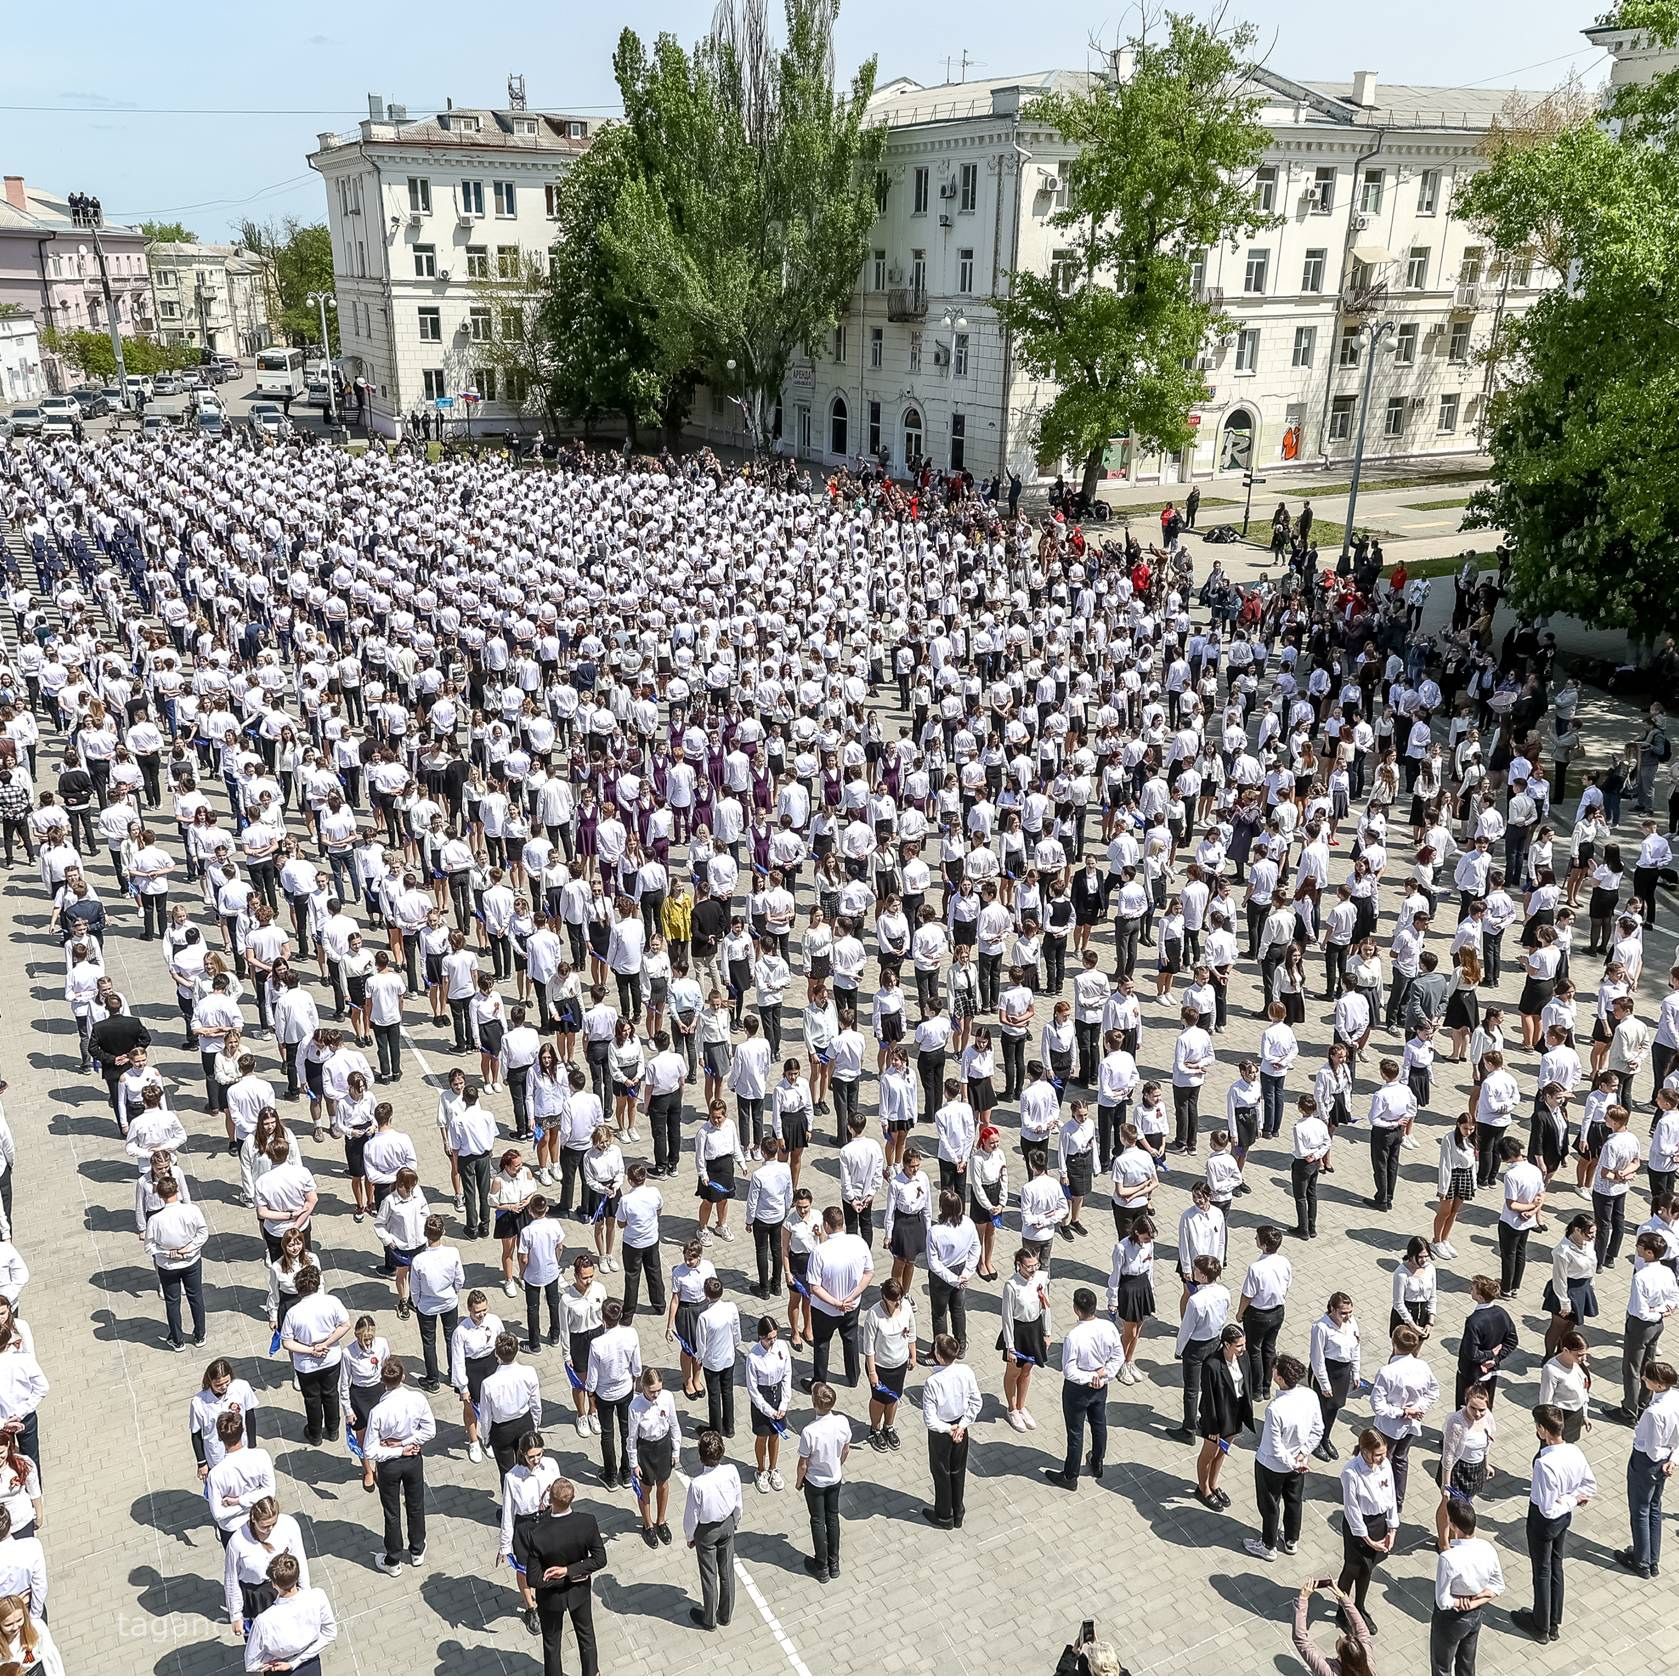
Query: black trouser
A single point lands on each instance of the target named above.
(1263, 1325)
(720, 1400)
(990, 981)
(859, 1224)
(930, 1065)
(1546, 1538)
(664, 1115)
(533, 1312)
(845, 1105)
(954, 1175)
(518, 1090)
(402, 1491)
(766, 1244)
(429, 1322)
(1610, 1211)
(636, 1262)
(1384, 1161)
(1089, 1036)
(1512, 1256)
(1194, 1363)
(950, 1309)
(551, 1611)
(475, 1191)
(823, 1325)
(1081, 1404)
(1453, 1635)
(1487, 1139)
(503, 1441)
(388, 1041)
(1014, 1066)
(615, 1433)
(947, 1459)
(1128, 930)
(321, 1414)
(1303, 1174)
(1340, 1374)
(1186, 1112)
(571, 1163)
(1281, 1495)
(460, 1015)
(1358, 1564)
(188, 1279)
(823, 1503)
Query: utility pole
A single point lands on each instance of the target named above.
(85, 213)
(1377, 335)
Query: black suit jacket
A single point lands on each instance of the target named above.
(1223, 1412)
(549, 1541)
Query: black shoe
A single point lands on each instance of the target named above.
(816, 1571)
(198, 1341)
(554, 1339)
(931, 1515)
(892, 1440)
(1181, 1433)
(1323, 1452)
(1077, 1228)
(533, 1623)
(1523, 1618)
(1068, 1483)
(313, 1439)
(1222, 1498)
(1627, 1560)
(650, 1539)
(877, 1439)
(1207, 1500)
(1094, 1467)
(1620, 1414)
(532, 1347)
(332, 1436)
(697, 1616)
(663, 1531)
(429, 1384)
(624, 1478)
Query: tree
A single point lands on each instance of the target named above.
(1585, 483)
(1164, 169)
(744, 223)
(168, 233)
(298, 260)
(92, 355)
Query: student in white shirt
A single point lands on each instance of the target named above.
(398, 1429)
(655, 1440)
(709, 1519)
(1467, 1577)
(1369, 1517)
(824, 1445)
(1291, 1433)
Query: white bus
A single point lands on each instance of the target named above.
(280, 372)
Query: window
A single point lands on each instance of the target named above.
(839, 344)
(512, 324)
(1428, 192)
(478, 262)
(1447, 419)
(959, 355)
(1416, 268)
(877, 346)
(965, 271)
(1253, 278)
(968, 192)
(507, 262)
(958, 442)
(1311, 275)
(425, 262)
(419, 194)
(882, 187)
(1393, 421)
(464, 125)
(1521, 269)
(1458, 349)
(524, 125)
(1247, 350)
(1349, 347)
(361, 259)
(879, 271)
(918, 272)
(484, 382)
(576, 130)
(1405, 345)
(1341, 419)
(1305, 342)
(1063, 268)
(506, 198)
(1323, 191)
(1370, 191)
(478, 325)
(433, 381)
(553, 195)
(431, 326)
(165, 276)
(923, 186)
(1474, 260)
(472, 198)
(553, 262)
(837, 429)
(874, 428)
(1197, 273)
(1265, 189)
(915, 352)
(171, 311)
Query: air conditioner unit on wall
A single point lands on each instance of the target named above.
(1051, 183)
(947, 189)
(1360, 222)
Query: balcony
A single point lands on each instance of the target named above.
(906, 303)
(1467, 295)
(1212, 296)
(1364, 300)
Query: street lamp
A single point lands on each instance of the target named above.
(953, 321)
(324, 300)
(740, 402)
(1379, 336)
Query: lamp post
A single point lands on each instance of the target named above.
(324, 300)
(953, 321)
(740, 402)
(86, 213)
(1377, 335)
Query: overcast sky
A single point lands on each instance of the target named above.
(108, 102)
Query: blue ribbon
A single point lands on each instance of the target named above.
(686, 1348)
(1224, 1447)
(722, 1189)
(357, 1455)
(886, 1393)
(780, 1427)
(1023, 1358)
(798, 1283)
(600, 1209)
(274, 1343)
(635, 1485)
(571, 1376)
(537, 1130)
(513, 1563)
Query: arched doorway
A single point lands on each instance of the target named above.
(1235, 453)
(913, 435)
(838, 429)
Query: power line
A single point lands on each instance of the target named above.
(1522, 69)
(214, 203)
(241, 111)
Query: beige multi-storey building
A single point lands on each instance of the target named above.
(215, 296)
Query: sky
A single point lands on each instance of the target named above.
(211, 119)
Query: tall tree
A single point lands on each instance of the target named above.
(745, 222)
(299, 261)
(168, 233)
(1584, 483)
(1163, 169)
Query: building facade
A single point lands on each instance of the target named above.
(48, 270)
(22, 377)
(214, 296)
(426, 215)
(1361, 181)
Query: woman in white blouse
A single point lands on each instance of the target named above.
(1131, 1288)
(908, 1194)
(655, 1441)
(1465, 1455)
(1369, 1517)
(769, 1386)
(1566, 1383)
(603, 1183)
(1415, 1289)
(889, 1354)
(1570, 1295)
(1334, 1360)
(361, 1384)
(682, 1316)
(1024, 1337)
(549, 1091)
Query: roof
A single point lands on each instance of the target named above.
(1408, 105)
(228, 256)
(49, 213)
(495, 131)
(902, 102)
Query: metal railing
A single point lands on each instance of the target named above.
(906, 303)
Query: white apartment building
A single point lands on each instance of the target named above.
(1362, 179)
(22, 378)
(423, 211)
(215, 296)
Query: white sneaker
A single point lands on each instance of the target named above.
(1016, 1423)
(1129, 1375)
(633, 1134)
(391, 1568)
(594, 1422)
(509, 1287)
(544, 1176)
(776, 1482)
(706, 1238)
(1444, 1250)
(727, 1235)
(583, 1427)
(1258, 1548)
(1027, 1418)
(474, 1452)
(1407, 1142)
(761, 1481)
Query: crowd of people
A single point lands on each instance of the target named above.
(830, 897)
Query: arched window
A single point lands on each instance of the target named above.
(912, 433)
(1236, 452)
(837, 428)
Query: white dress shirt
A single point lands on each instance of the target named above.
(1291, 1432)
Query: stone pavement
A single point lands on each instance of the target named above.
(135, 1566)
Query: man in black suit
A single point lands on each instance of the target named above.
(560, 1552)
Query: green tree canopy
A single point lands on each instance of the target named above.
(300, 262)
(745, 221)
(91, 354)
(1585, 472)
(168, 233)
(1164, 169)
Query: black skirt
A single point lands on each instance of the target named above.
(1536, 993)
(982, 1095)
(577, 1349)
(688, 1321)
(795, 1129)
(476, 1370)
(763, 1427)
(909, 1236)
(1079, 1173)
(720, 1186)
(511, 1223)
(654, 1460)
(1462, 1010)
(1135, 1297)
(1582, 1300)
(490, 1034)
(1029, 1341)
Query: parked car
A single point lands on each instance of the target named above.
(212, 422)
(227, 369)
(192, 379)
(113, 397)
(267, 420)
(318, 395)
(208, 399)
(156, 424)
(95, 405)
(166, 384)
(139, 385)
(61, 416)
(26, 421)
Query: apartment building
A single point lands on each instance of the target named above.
(215, 296)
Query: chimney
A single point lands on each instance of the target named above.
(397, 113)
(14, 193)
(1364, 89)
(1005, 101)
(375, 107)
(1122, 63)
